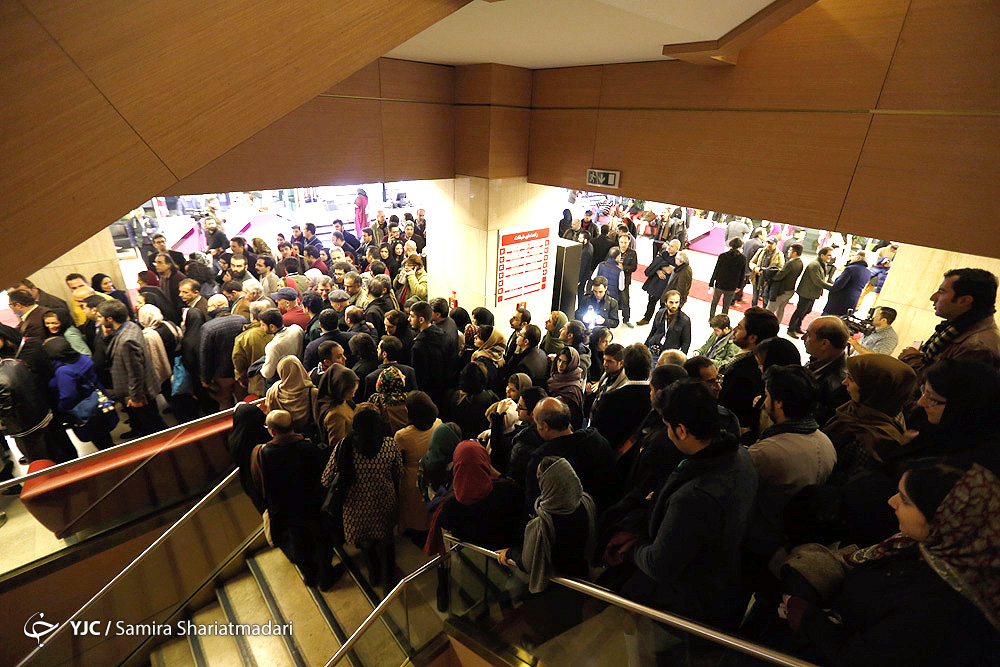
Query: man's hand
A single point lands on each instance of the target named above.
(204, 384)
(661, 274)
(502, 558)
(908, 352)
(670, 269)
(134, 403)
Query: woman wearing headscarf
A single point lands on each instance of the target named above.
(460, 316)
(467, 405)
(413, 442)
(385, 254)
(161, 343)
(74, 379)
(480, 508)
(247, 432)
(561, 535)
(101, 282)
(566, 221)
(490, 347)
(566, 384)
(293, 392)
(600, 338)
(398, 325)
(435, 467)
(335, 402)
(58, 322)
(866, 428)
(398, 255)
(370, 468)
(553, 326)
(929, 595)
(503, 419)
(390, 398)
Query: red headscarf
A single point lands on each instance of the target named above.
(473, 479)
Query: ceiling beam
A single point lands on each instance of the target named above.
(726, 49)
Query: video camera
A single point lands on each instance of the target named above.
(856, 325)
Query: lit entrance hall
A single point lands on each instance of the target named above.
(384, 456)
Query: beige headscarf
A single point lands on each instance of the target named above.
(150, 317)
(293, 392)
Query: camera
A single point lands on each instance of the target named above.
(857, 325)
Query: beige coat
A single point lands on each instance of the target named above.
(413, 444)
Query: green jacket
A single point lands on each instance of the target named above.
(248, 348)
(814, 280)
(723, 353)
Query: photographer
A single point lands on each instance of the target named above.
(598, 307)
(880, 340)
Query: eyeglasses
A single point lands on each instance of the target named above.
(931, 402)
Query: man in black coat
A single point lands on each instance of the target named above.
(602, 245)
(671, 328)
(604, 307)
(429, 353)
(727, 278)
(520, 319)
(742, 382)
(454, 338)
(826, 342)
(390, 350)
(380, 304)
(218, 335)
(586, 450)
(750, 249)
(619, 411)
(527, 358)
(657, 277)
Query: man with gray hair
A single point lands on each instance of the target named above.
(252, 289)
(218, 337)
(681, 276)
(248, 347)
(586, 450)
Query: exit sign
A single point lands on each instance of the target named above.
(603, 178)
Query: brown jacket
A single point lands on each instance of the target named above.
(980, 342)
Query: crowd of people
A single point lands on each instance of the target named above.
(688, 484)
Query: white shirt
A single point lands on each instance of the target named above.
(285, 342)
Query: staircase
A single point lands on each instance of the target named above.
(270, 590)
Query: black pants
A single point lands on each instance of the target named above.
(145, 420)
(804, 308)
(49, 443)
(623, 304)
(310, 546)
(651, 306)
(726, 297)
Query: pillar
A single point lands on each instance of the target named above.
(915, 275)
(95, 255)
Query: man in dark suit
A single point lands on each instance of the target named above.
(527, 358)
(42, 298)
(32, 315)
(390, 349)
(454, 337)
(520, 319)
(160, 246)
(619, 411)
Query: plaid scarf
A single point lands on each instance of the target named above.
(946, 333)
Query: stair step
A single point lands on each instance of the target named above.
(217, 650)
(248, 606)
(310, 631)
(175, 653)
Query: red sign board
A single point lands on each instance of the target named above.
(522, 263)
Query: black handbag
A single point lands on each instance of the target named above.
(333, 503)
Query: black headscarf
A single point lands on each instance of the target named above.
(248, 431)
(58, 349)
(96, 281)
(65, 321)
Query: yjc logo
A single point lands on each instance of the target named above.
(38, 629)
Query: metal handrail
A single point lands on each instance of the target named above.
(117, 449)
(384, 604)
(131, 566)
(703, 631)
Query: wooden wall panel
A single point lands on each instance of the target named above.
(418, 140)
(566, 87)
(833, 55)
(267, 58)
(472, 83)
(509, 142)
(561, 146)
(472, 141)
(68, 155)
(948, 57)
(932, 180)
(510, 85)
(363, 83)
(423, 82)
(327, 141)
(791, 167)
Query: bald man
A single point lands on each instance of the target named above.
(826, 343)
(77, 306)
(218, 335)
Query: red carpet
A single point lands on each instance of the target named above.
(701, 291)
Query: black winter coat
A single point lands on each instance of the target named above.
(678, 337)
(729, 271)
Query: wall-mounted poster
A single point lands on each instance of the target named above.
(524, 263)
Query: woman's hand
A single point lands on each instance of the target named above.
(502, 558)
(783, 607)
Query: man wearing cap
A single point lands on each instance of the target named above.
(765, 263)
(340, 301)
(292, 312)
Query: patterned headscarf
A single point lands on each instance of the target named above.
(390, 388)
(963, 546)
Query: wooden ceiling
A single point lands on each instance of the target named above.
(105, 104)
